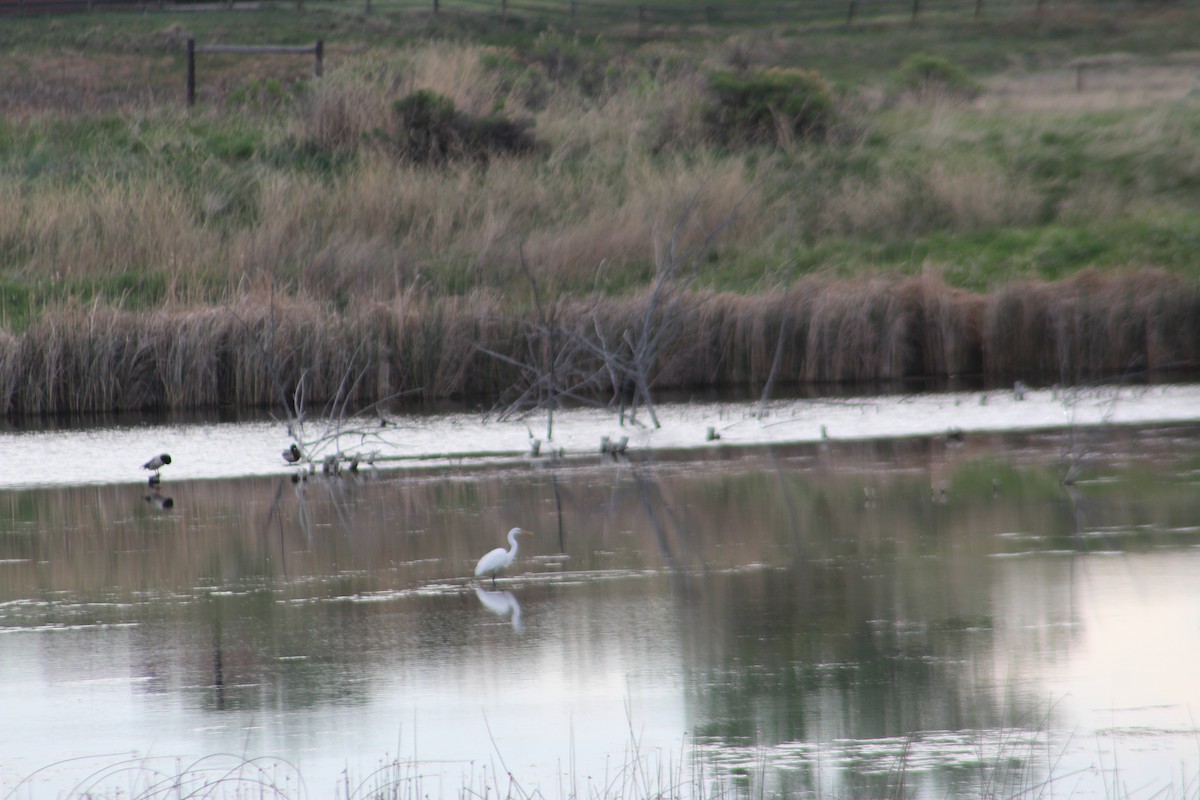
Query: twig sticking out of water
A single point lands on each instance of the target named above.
(314, 438)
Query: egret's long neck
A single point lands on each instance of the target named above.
(512, 540)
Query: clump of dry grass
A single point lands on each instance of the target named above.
(923, 197)
(352, 107)
(1093, 325)
(103, 227)
(339, 115)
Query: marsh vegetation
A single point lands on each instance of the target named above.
(880, 201)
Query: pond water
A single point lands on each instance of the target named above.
(925, 615)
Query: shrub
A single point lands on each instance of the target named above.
(432, 131)
(927, 77)
(771, 107)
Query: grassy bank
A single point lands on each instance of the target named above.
(574, 169)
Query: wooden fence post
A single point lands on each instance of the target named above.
(641, 18)
(317, 49)
(916, 9)
(191, 72)
(978, 8)
(572, 9)
(435, 6)
(850, 11)
(504, 10)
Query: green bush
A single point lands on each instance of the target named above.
(926, 76)
(769, 107)
(430, 130)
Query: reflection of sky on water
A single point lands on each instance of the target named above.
(588, 668)
(528, 701)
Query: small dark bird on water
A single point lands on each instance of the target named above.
(157, 463)
(292, 454)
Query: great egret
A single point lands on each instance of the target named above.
(499, 558)
(157, 463)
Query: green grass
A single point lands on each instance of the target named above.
(987, 259)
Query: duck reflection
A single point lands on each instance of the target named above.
(502, 604)
(159, 500)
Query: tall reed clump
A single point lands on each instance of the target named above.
(252, 353)
(255, 352)
(1093, 325)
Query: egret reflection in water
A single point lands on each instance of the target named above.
(502, 604)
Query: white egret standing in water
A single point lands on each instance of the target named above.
(499, 558)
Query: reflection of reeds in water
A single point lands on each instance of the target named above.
(1092, 326)
(383, 531)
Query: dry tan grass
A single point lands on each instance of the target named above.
(341, 113)
(1093, 326)
(1105, 87)
(942, 197)
(621, 170)
(456, 72)
(103, 227)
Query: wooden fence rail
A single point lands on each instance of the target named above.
(317, 49)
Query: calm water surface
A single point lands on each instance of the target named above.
(837, 619)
